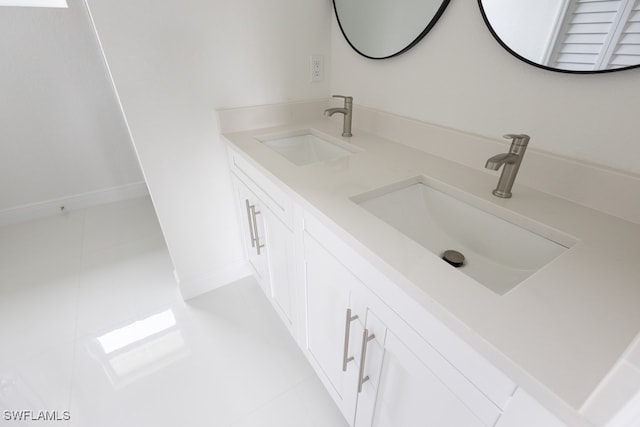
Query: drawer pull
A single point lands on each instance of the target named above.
(253, 226)
(347, 331)
(250, 208)
(363, 355)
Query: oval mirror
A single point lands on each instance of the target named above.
(574, 36)
(380, 29)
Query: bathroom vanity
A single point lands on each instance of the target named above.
(537, 327)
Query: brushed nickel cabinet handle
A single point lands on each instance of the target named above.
(254, 212)
(347, 331)
(250, 208)
(363, 355)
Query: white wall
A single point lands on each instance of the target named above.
(61, 129)
(459, 76)
(174, 62)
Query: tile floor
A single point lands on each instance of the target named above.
(91, 322)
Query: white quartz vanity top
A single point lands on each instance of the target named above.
(563, 329)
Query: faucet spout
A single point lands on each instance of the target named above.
(511, 162)
(331, 111)
(498, 160)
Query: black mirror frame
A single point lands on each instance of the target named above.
(535, 64)
(428, 28)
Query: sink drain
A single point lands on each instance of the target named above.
(454, 258)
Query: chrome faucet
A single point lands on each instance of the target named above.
(511, 162)
(347, 110)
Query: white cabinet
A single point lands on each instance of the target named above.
(380, 370)
(412, 385)
(333, 324)
(252, 225)
(281, 269)
(377, 369)
(269, 246)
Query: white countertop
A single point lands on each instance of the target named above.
(563, 329)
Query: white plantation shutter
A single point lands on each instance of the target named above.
(598, 34)
(627, 50)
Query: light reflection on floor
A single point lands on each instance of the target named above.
(140, 348)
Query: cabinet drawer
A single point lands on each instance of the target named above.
(266, 190)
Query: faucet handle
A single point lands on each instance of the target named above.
(346, 98)
(518, 139)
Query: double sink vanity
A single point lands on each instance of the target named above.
(419, 297)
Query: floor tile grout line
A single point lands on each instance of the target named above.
(77, 336)
(271, 400)
(77, 316)
(82, 375)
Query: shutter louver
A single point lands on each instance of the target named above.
(598, 34)
(587, 25)
(627, 50)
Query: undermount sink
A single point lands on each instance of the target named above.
(306, 146)
(497, 253)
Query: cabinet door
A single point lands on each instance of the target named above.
(281, 256)
(370, 359)
(394, 377)
(410, 383)
(269, 248)
(252, 225)
(410, 394)
(334, 324)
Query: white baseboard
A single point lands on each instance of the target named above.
(77, 201)
(237, 270)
